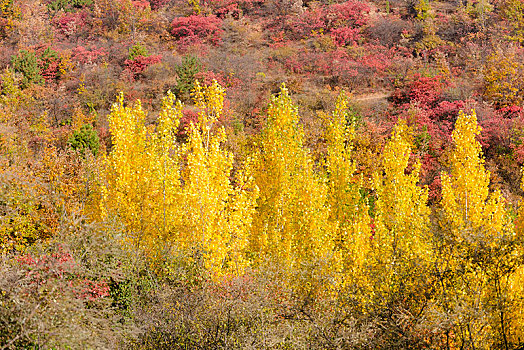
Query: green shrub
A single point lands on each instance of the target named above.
(85, 138)
(26, 63)
(137, 50)
(68, 5)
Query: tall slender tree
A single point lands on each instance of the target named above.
(401, 243)
(349, 210)
(477, 250)
(291, 223)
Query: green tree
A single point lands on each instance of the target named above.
(137, 50)
(186, 73)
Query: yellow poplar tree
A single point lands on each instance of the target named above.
(140, 171)
(401, 241)
(349, 212)
(466, 201)
(179, 197)
(291, 223)
(478, 246)
(217, 215)
(165, 165)
(517, 278)
(516, 282)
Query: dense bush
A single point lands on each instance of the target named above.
(67, 5)
(139, 63)
(40, 66)
(68, 276)
(196, 28)
(504, 78)
(49, 62)
(9, 14)
(26, 62)
(69, 24)
(86, 55)
(157, 4)
(85, 139)
(343, 21)
(137, 50)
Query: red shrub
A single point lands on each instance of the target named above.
(225, 80)
(197, 28)
(56, 265)
(60, 266)
(49, 62)
(50, 71)
(372, 65)
(190, 116)
(229, 10)
(311, 20)
(69, 23)
(233, 8)
(448, 111)
(512, 111)
(345, 36)
(518, 151)
(350, 13)
(140, 4)
(91, 290)
(379, 58)
(342, 21)
(498, 131)
(435, 189)
(140, 63)
(424, 91)
(87, 56)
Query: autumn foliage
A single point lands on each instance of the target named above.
(261, 174)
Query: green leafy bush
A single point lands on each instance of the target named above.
(26, 63)
(137, 50)
(68, 5)
(85, 138)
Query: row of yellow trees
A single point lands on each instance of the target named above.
(465, 254)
